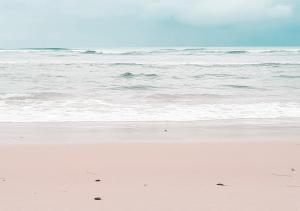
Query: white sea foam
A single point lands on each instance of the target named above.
(98, 111)
(175, 84)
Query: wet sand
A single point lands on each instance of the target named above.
(150, 176)
(265, 130)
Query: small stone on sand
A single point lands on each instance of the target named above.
(220, 184)
(97, 198)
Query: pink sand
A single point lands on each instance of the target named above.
(140, 177)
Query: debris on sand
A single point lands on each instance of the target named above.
(97, 198)
(220, 184)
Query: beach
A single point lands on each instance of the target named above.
(158, 129)
(224, 174)
(149, 105)
(202, 176)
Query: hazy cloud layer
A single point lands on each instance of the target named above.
(189, 11)
(143, 21)
(220, 12)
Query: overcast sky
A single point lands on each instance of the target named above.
(134, 23)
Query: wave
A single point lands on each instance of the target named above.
(46, 49)
(137, 52)
(274, 64)
(127, 75)
(185, 97)
(125, 64)
(201, 50)
(132, 75)
(149, 75)
(194, 49)
(213, 51)
(241, 87)
(135, 87)
(288, 76)
(281, 51)
(213, 75)
(33, 96)
(159, 65)
(133, 64)
(85, 111)
(240, 51)
(187, 50)
(237, 52)
(164, 66)
(271, 64)
(91, 52)
(205, 51)
(52, 76)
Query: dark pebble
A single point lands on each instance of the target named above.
(220, 184)
(97, 198)
(97, 180)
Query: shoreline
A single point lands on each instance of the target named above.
(149, 132)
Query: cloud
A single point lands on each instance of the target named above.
(144, 21)
(187, 11)
(203, 12)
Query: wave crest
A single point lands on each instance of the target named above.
(132, 75)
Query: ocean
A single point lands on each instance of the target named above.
(149, 84)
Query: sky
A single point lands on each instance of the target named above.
(143, 23)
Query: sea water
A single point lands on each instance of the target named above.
(149, 84)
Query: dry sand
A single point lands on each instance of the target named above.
(140, 177)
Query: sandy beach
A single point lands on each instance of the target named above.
(132, 176)
(149, 105)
